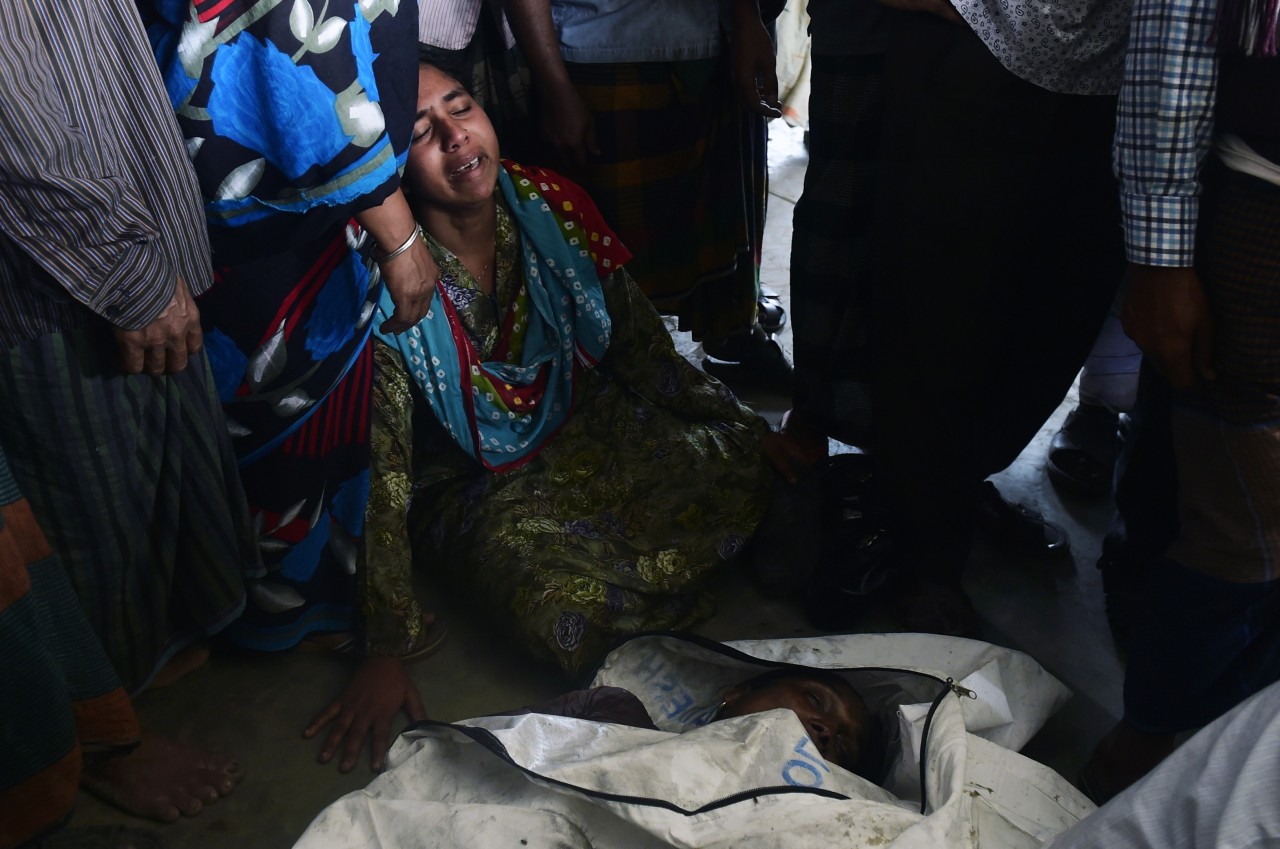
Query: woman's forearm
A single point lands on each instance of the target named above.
(390, 223)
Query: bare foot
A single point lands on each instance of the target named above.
(161, 779)
(181, 665)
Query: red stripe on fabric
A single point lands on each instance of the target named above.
(21, 523)
(466, 355)
(360, 427)
(319, 275)
(336, 400)
(209, 13)
(308, 287)
(107, 719)
(40, 802)
(353, 421)
(15, 580)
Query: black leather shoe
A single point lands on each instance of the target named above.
(752, 358)
(1018, 524)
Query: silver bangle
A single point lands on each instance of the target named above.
(408, 243)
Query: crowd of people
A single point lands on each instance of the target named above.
(291, 303)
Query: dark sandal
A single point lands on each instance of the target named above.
(1082, 455)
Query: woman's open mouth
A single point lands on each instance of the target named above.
(466, 167)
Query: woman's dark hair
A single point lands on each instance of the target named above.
(454, 63)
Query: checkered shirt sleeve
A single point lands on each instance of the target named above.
(1164, 127)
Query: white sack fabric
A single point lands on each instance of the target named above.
(951, 711)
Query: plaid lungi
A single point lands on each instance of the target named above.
(134, 482)
(1208, 633)
(682, 179)
(831, 249)
(1227, 435)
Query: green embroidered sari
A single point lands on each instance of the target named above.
(655, 480)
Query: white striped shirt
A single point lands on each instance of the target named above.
(451, 24)
(99, 205)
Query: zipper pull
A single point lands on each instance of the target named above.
(960, 691)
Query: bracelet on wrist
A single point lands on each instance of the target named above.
(408, 243)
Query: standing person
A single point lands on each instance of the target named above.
(297, 118)
(1201, 195)
(998, 256)
(645, 105)
(832, 253)
(108, 414)
(66, 715)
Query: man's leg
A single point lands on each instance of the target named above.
(1000, 254)
(1210, 632)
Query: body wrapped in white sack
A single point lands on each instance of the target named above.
(754, 781)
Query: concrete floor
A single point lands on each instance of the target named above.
(254, 706)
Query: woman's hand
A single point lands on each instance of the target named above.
(410, 276)
(411, 279)
(378, 691)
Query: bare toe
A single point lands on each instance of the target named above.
(161, 779)
(188, 804)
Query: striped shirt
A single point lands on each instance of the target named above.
(451, 24)
(1164, 127)
(99, 205)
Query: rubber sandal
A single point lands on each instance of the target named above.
(435, 638)
(1018, 524)
(1082, 455)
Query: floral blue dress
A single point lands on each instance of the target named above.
(297, 114)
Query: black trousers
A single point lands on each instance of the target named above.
(1000, 250)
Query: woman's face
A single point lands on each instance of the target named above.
(453, 159)
(836, 719)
